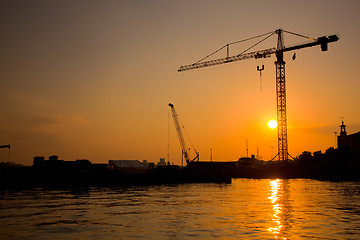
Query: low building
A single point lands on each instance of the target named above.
(55, 163)
(128, 166)
(38, 161)
(52, 162)
(162, 162)
(246, 162)
(148, 164)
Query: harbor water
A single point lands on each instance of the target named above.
(244, 209)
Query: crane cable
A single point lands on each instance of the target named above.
(187, 135)
(227, 45)
(296, 34)
(168, 153)
(247, 39)
(256, 44)
(260, 70)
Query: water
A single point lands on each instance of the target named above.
(245, 209)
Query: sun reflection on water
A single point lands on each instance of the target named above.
(278, 196)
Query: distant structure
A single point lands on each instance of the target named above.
(249, 162)
(55, 163)
(121, 166)
(128, 166)
(162, 162)
(350, 142)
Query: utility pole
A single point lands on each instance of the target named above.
(335, 139)
(247, 149)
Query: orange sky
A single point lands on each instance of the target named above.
(93, 79)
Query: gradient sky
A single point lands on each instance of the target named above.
(93, 79)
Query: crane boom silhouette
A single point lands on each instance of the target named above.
(184, 150)
(279, 51)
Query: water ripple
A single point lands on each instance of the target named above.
(245, 209)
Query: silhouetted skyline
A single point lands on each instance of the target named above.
(92, 80)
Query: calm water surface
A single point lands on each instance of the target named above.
(245, 209)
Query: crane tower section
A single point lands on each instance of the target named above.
(281, 99)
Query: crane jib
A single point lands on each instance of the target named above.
(257, 54)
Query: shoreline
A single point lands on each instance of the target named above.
(30, 177)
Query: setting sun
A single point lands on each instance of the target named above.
(272, 124)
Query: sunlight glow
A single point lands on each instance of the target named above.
(272, 123)
(277, 208)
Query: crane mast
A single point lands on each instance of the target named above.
(281, 99)
(279, 51)
(184, 150)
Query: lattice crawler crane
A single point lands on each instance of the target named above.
(185, 153)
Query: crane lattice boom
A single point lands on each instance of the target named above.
(262, 53)
(257, 54)
(185, 152)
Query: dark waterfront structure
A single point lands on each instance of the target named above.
(349, 150)
(342, 163)
(59, 173)
(351, 141)
(54, 162)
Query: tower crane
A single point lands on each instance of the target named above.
(279, 51)
(185, 154)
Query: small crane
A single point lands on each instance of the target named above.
(185, 153)
(280, 73)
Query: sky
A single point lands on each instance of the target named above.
(93, 79)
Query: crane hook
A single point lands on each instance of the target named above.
(260, 70)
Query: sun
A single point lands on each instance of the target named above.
(272, 123)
